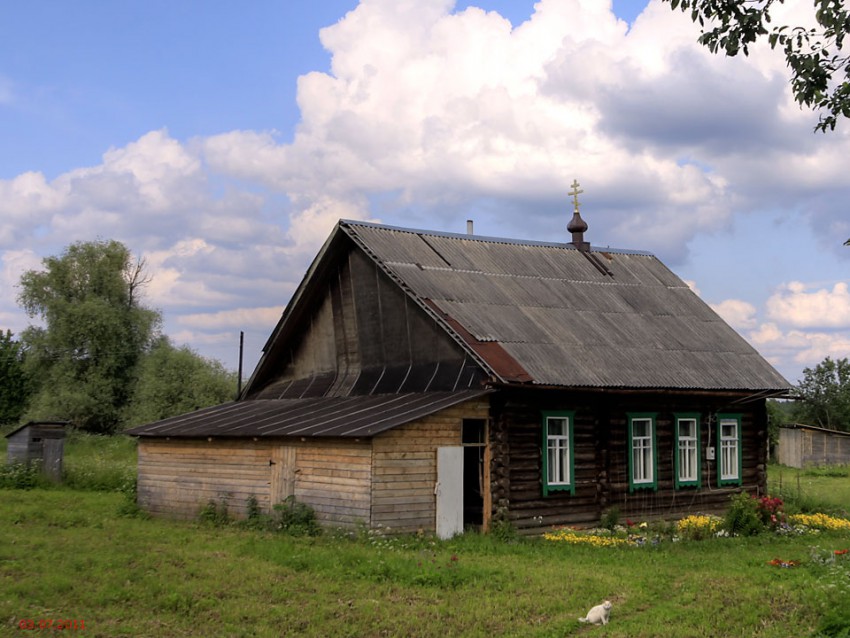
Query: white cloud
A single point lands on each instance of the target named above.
(796, 304)
(239, 318)
(428, 117)
(739, 314)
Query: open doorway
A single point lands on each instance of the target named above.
(474, 441)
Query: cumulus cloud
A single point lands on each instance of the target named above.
(737, 313)
(429, 116)
(802, 306)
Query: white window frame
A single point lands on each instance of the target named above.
(729, 449)
(688, 470)
(642, 453)
(558, 468)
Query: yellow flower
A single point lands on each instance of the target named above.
(821, 521)
(574, 538)
(697, 526)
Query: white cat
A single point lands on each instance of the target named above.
(598, 615)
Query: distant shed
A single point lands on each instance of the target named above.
(803, 445)
(39, 442)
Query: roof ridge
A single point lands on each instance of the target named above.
(491, 239)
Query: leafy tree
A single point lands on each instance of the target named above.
(14, 391)
(779, 413)
(83, 361)
(177, 380)
(824, 395)
(820, 67)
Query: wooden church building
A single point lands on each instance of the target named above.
(428, 381)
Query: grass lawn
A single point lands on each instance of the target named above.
(67, 553)
(819, 487)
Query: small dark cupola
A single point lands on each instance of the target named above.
(577, 225)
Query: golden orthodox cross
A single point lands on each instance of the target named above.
(574, 193)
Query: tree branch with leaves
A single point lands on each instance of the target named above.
(819, 64)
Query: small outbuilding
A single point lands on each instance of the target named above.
(40, 442)
(804, 445)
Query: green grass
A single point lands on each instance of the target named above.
(812, 489)
(90, 461)
(68, 554)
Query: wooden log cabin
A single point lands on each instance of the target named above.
(432, 381)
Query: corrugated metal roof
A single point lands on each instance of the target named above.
(354, 416)
(564, 321)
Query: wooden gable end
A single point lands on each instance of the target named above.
(361, 334)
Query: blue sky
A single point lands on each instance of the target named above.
(221, 142)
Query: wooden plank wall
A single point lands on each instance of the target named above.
(405, 468)
(334, 478)
(823, 448)
(601, 465)
(177, 478)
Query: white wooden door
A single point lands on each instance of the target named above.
(449, 491)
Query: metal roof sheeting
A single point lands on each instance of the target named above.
(354, 416)
(566, 322)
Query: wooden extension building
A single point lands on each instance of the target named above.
(432, 381)
(806, 445)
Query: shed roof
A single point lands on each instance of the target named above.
(813, 428)
(57, 425)
(550, 314)
(352, 416)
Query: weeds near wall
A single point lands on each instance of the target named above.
(215, 514)
(22, 476)
(289, 517)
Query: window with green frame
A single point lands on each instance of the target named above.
(687, 469)
(729, 449)
(557, 452)
(642, 452)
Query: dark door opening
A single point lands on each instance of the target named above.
(474, 444)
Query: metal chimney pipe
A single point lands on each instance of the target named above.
(469, 227)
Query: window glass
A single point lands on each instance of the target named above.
(643, 452)
(557, 450)
(688, 451)
(729, 450)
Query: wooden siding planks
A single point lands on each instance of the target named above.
(405, 468)
(178, 478)
(334, 477)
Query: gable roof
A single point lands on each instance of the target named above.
(549, 314)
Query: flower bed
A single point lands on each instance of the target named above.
(821, 521)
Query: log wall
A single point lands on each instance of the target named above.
(600, 442)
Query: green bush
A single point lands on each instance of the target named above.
(610, 518)
(295, 519)
(743, 517)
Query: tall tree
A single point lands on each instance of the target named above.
(820, 66)
(824, 395)
(177, 380)
(83, 361)
(14, 392)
